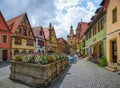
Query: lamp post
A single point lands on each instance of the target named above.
(43, 53)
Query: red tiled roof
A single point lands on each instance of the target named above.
(3, 24)
(15, 22)
(36, 31)
(46, 32)
(82, 26)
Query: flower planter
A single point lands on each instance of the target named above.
(63, 63)
(36, 74)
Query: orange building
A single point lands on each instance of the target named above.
(71, 40)
(51, 44)
(61, 45)
(4, 40)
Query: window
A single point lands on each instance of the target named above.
(99, 26)
(89, 34)
(94, 30)
(102, 23)
(25, 32)
(30, 43)
(19, 30)
(24, 20)
(4, 38)
(40, 42)
(17, 41)
(114, 15)
(16, 52)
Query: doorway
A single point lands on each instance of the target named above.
(114, 52)
(4, 55)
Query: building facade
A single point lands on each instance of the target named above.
(71, 40)
(96, 35)
(80, 36)
(112, 9)
(40, 39)
(22, 37)
(61, 45)
(4, 40)
(51, 43)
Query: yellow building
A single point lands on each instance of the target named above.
(112, 8)
(51, 44)
(71, 40)
(22, 38)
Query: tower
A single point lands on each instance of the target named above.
(71, 30)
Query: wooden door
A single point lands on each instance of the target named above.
(114, 52)
(4, 55)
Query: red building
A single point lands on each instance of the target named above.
(80, 36)
(4, 40)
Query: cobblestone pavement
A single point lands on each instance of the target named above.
(83, 74)
(4, 70)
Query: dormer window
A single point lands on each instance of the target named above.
(19, 30)
(25, 31)
(24, 20)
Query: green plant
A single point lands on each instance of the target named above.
(17, 58)
(103, 62)
(53, 58)
(25, 58)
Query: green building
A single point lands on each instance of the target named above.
(96, 35)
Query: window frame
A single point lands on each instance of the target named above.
(113, 18)
(16, 41)
(6, 38)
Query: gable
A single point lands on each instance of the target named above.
(3, 24)
(38, 32)
(53, 32)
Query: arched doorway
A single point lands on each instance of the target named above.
(16, 52)
(100, 50)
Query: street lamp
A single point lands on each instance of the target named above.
(43, 53)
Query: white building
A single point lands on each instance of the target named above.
(40, 39)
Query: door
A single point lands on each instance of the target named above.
(4, 55)
(114, 52)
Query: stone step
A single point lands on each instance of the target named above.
(112, 66)
(111, 69)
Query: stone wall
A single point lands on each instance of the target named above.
(36, 74)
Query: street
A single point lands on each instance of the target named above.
(4, 70)
(82, 74)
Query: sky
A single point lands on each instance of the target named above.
(61, 13)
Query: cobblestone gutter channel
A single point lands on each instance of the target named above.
(36, 74)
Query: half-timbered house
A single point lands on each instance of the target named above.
(22, 37)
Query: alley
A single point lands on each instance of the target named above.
(83, 74)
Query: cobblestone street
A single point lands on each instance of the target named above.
(83, 74)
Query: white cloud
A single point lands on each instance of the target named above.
(74, 14)
(61, 13)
